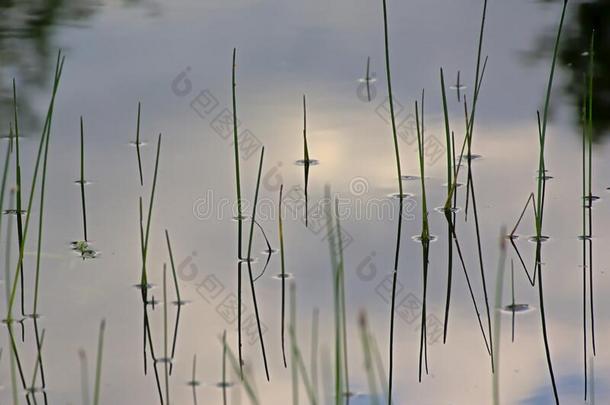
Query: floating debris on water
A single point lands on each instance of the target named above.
(83, 249)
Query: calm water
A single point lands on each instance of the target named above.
(176, 59)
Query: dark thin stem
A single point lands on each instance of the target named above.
(19, 189)
(166, 359)
(590, 194)
(144, 278)
(40, 223)
(236, 152)
(470, 290)
(512, 289)
(481, 267)
(138, 146)
(368, 78)
(46, 132)
(239, 212)
(98, 367)
(39, 341)
(82, 177)
(17, 359)
(171, 260)
(450, 172)
(224, 367)
(306, 161)
(175, 338)
(249, 262)
(269, 251)
(194, 380)
(283, 274)
(401, 196)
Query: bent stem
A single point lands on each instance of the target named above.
(401, 196)
(249, 262)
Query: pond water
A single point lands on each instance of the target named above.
(175, 59)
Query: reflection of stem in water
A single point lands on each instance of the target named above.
(292, 325)
(400, 198)
(383, 379)
(84, 376)
(245, 378)
(341, 275)
(15, 356)
(469, 284)
(98, 367)
(512, 237)
(37, 365)
(179, 303)
(315, 326)
(144, 286)
(15, 362)
(175, 338)
(333, 246)
(194, 382)
(368, 358)
(39, 340)
(269, 250)
(297, 360)
(498, 318)
(7, 276)
(249, 262)
(148, 334)
(480, 255)
(224, 367)
(166, 359)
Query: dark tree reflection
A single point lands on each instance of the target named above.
(28, 47)
(582, 19)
